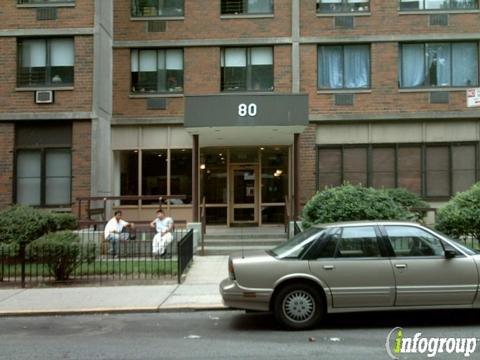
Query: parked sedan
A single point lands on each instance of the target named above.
(357, 266)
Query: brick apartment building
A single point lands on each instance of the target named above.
(247, 104)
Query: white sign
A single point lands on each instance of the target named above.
(250, 110)
(473, 97)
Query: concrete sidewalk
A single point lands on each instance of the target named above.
(198, 292)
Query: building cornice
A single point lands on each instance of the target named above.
(388, 38)
(202, 42)
(65, 115)
(428, 115)
(47, 32)
(148, 121)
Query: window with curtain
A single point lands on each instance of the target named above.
(157, 71)
(45, 62)
(157, 8)
(247, 69)
(342, 6)
(431, 170)
(43, 177)
(344, 67)
(236, 7)
(412, 5)
(439, 65)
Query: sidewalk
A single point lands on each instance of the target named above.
(198, 292)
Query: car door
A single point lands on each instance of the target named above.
(423, 275)
(354, 266)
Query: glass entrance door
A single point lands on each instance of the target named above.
(244, 194)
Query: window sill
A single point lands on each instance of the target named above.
(243, 92)
(345, 91)
(147, 96)
(56, 5)
(433, 12)
(43, 88)
(367, 13)
(435, 89)
(246, 16)
(164, 18)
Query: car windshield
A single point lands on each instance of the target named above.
(298, 245)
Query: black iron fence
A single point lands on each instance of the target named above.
(131, 256)
(185, 254)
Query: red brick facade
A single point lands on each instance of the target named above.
(7, 136)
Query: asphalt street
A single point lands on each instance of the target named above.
(220, 335)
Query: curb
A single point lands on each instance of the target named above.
(100, 311)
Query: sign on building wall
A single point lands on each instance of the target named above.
(473, 97)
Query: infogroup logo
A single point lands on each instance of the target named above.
(397, 344)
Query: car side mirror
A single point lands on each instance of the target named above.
(450, 253)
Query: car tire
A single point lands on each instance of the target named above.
(298, 306)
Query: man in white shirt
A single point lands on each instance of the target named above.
(114, 232)
(164, 226)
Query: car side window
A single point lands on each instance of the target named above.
(358, 241)
(327, 250)
(412, 241)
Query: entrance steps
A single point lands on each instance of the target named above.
(235, 240)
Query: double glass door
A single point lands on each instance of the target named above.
(244, 192)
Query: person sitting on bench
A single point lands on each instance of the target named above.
(164, 226)
(115, 231)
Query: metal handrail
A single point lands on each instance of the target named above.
(203, 219)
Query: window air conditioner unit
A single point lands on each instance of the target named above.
(44, 97)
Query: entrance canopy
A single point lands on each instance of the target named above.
(239, 119)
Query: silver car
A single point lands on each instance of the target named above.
(357, 266)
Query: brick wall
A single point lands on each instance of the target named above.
(307, 163)
(78, 99)
(17, 17)
(7, 139)
(81, 161)
(204, 22)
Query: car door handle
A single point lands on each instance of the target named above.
(401, 266)
(328, 267)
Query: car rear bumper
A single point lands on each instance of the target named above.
(238, 297)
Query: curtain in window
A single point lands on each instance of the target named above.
(437, 4)
(62, 52)
(411, 4)
(330, 67)
(357, 66)
(29, 177)
(34, 53)
(235, 58)
(58, 169)
(413, 65)
(260, 6)
(438, 61)
(465, 64)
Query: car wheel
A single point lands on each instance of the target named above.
(298, 306)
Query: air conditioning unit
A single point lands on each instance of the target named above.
(44, 97)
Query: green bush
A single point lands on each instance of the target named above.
(350, 203)
(409, 201)
(22, 224)
(460, 217)
(62, 252)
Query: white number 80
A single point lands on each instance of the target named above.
(244, 110)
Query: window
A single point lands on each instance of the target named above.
(439, 65)
(41, 2)
(154, 177)
(156, 8)
(45, 62)
(43, 165)
(44, 177)
(298, 246)
(358, 241)
(430, 170)
(412, 5)
(181, 173)
(236, 7)
(344, 67)
(411, 241)
(247, 69)
(157, 71)
(342, 6)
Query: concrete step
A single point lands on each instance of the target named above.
(227, 250)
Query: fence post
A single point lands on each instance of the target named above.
(22, 256)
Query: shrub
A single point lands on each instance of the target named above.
(22, 224)
(409, 201)
(62, 252)
(460, 217)
(349, 203)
